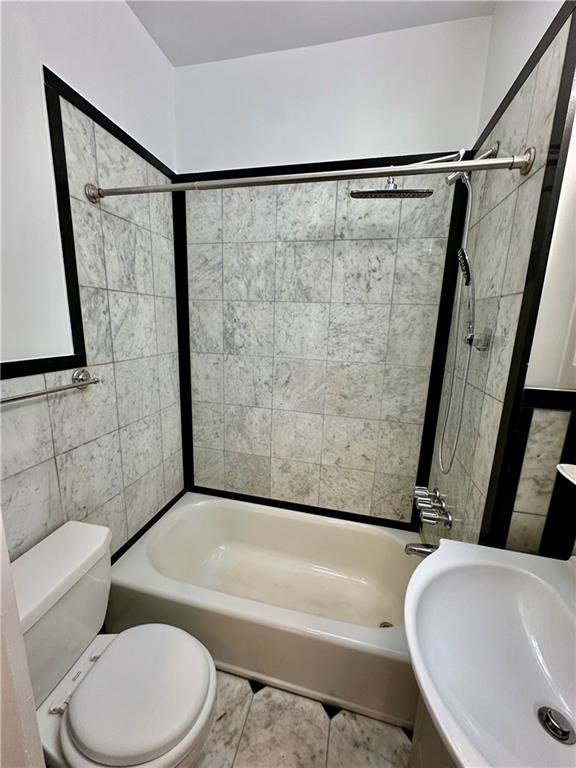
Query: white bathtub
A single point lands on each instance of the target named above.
(287, 598)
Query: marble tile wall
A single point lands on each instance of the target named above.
(543, 451)
(110, 454)
(504, 209)
(312, 322)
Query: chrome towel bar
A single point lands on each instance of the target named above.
(80, 378)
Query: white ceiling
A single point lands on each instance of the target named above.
(197, 31)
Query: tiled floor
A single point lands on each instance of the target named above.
(276, 729)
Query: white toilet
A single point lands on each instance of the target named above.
(144, 697)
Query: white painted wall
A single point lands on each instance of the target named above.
(553, 356)
(19, 736)
(413, 90)
(101, 50)
(516, 30)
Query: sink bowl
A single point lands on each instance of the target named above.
(492, 637)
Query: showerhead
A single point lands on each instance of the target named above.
(385, 193)
(390, 191)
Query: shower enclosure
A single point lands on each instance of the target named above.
(312, 325)
(312, 314)
(309, 299)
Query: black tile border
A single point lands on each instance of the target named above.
(499, 501)
(183, 330)
(325, 166)
(559, 532)
(441, 343)
(69, 94)
(352, 517)
(146, 527)
(550, 399)
(557, 540)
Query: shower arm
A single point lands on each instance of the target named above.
(523, 163)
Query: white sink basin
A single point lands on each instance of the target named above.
(492, 637)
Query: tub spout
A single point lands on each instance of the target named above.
(421, 550)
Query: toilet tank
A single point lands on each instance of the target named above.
(62, 587)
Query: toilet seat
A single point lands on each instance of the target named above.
(147, 701)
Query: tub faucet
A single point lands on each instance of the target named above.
(421, 550)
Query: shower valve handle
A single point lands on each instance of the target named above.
(432, 506)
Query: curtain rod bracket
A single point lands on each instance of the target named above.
(529, 156)
(93, 193)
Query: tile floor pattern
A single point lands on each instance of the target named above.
(276, 729)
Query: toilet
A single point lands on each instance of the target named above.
(144, 697)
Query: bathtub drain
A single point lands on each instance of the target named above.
(384, 624)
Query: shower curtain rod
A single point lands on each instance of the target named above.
(523, 163)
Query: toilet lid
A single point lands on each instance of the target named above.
(141, 697)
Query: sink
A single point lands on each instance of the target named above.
(492, 637)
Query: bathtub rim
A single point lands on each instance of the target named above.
(134, 571)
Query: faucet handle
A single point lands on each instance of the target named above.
(421, 492)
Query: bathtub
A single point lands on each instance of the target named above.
(287, 598)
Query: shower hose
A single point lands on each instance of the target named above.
(446, 462)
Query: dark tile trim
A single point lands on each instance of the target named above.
(66, 92)
(321, 511)
(441, 342)
(499, 501)
(330, 165)
(17, 368)
(146, 527)
(559, 532)
(256, 686)
(518, 444)
(330, 710)
(183, 325)
(550, 399)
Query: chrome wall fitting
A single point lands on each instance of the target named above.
(81, 378)
(92, 193)
(420, 550)
(480, 341)
(529, 157)
(432, 506)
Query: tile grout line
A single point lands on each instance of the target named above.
(243, 727)
(273, 336)
(385, 363)
(328, 742)
(51, 458)
(223, 318)
(330, 304)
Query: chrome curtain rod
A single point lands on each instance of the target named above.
(523, 163)
(80, 378)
